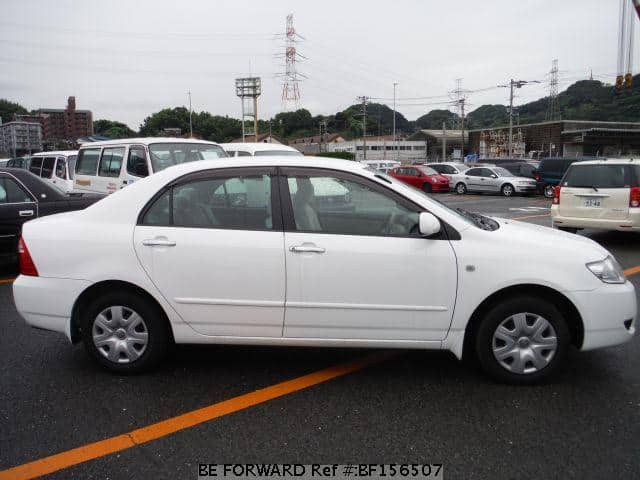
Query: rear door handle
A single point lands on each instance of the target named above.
(26, 213)
(158, 242)
(306, 248)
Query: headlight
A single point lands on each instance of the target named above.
(607, 270)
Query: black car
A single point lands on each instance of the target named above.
(24, 196)
(521, 169)
(550, 172)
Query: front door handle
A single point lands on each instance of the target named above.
(158, 242)
(26, 213)
(306, 248)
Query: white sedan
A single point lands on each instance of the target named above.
(314, 252)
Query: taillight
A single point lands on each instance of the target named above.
(556, 195)
(27, 267)
(634, 197)
(537, 177)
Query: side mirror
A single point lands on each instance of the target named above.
(429, 225)
(494, 176)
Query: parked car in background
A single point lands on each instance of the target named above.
(258, 149)
(183, 261)
(550, 172)
(381, 165)
(25, 196)
(3, 162)
(18, 162)
(601, 194)
(491, 180)
(104, 167)
(421, 177)
(447, 168)
(522, 169)
(57, 168)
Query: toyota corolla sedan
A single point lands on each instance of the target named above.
(250, 251)
(491, 179)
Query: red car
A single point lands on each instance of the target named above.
(424, 178)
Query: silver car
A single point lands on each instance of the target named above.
(491, 180)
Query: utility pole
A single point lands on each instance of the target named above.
(395, 143)
(517, 84)
(190, 116)
(323, 128)
(462, 129)
(444, 141)
(364, 100)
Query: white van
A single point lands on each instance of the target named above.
(104, 167)
(258, 149)
(56, 168)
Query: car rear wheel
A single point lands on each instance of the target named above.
(522, 340)
(125, 332)
(507, 190)
(426, 188)
(549, 191)
(461, 189)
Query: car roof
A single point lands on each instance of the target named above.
(144, 141)
(57, 152)
(612, 161)
(256, 147)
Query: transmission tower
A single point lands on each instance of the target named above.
(553, 109)
(292, 78)
(459, 99)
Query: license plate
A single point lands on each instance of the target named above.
(593, 203)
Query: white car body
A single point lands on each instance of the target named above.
(258, 149)
(133, 153)
(490, 181)
(228, 286)
(600, 208)
(448, 169)
(61, 168)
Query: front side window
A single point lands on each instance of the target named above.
(61, 168)
(36, 165)
(111, 162)
(71, 161)
(331, 204)
(485, 172)
(165, 155)
(242, 153)
(87, 163)
(137, 162)
(502, 172)
(598, 176)
(428, 171)
(47, 167)
(12, 192)
(235, 202)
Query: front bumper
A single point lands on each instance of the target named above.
(525, 188)
(604, 312)
(629, 224)
(439, 187)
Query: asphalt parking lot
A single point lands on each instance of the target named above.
(417, 407)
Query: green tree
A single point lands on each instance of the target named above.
(112, 129)
(435, 118)
(206, 126)
(8, 109)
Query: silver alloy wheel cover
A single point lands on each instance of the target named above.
(460, 188)
(120, 334)
(524, 343)
(507, 190)
(548, 191)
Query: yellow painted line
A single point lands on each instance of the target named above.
(530, 216)
(7, 280)
(632, 271)
(163, 428)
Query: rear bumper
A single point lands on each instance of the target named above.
(630, 224)
(47, 302)
(604, 312)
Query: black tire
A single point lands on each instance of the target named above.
(568, 229)
(484, 338)
(508, 190)
(461, 188)
(156, 326)
(426, 188)
(548, 191)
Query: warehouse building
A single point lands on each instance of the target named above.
(20, 138)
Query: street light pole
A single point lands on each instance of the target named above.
(395, 143)
(190, 116)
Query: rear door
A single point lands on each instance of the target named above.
(596, 191)
(86, 170)
(16, 207)
(472, 178)
(109, 168)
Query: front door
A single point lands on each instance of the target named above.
(356, 265)
(213, 247)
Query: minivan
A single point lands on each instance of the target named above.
(258, 149)
(550, 172)
(56, 168)
(104, 167)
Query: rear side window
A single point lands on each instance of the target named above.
(111, 162)
(243, 154)
(36, 165)
(554, 166)
(598, 176)
(12, 192)
(47, 167)
(61, 168)
(87, 163)
(635, 172)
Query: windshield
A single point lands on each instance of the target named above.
(428, 171)
(272, 153)
(503, 172)
(598, 176)
(165, 155)
(71, 162)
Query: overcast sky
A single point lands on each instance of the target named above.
(124, 60)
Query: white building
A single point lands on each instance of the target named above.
(383, 148)
(20, 138)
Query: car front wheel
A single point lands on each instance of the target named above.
(522, 340)
(461, 189)
(507, 190)
(125, 332)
